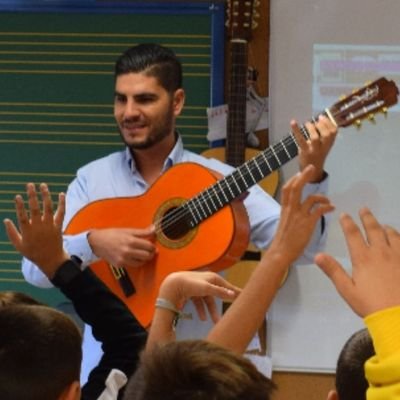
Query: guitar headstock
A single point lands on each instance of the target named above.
(375, 97)
(241, 18)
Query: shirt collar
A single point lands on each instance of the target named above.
(173, 157)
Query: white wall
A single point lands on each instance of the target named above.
(309, 322)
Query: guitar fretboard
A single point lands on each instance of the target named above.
(370, 99)
(209, 201)
(236, 123)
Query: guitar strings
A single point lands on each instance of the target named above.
(202, 197)
(252, 166)
(222, 184)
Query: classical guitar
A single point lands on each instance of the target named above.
(241, 21)
(199, 218)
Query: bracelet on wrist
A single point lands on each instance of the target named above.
(167, 305)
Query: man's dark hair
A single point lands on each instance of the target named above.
(351, 383)
(40, 352)
(197, 370)
(152, 60)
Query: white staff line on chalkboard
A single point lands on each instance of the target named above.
(12, 280)
(9, 192)
(10, 271)
(23, 173)
(97, 44)
(67, 105)
(66, 72)
(69, 72)
(65, 142)
(52, 133)
(75, 143)
(55, 123)
(75, 133)
(55, 114)
(68, 62)
(79, 124)
(53, 184)
(89, 54)
(71, 105)
(66, 114)
(23, 182)
(106, 34)
(9, 261)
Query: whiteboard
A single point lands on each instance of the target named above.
(319, 49)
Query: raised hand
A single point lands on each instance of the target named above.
(39, 233)
(298, 218)
(201, 287)
(297, 222)
(179, 287)
(375, 256)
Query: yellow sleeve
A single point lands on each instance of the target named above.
(383, 370)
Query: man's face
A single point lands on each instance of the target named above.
(144, 111)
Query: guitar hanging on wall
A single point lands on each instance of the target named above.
(241, 21)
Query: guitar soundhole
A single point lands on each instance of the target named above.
(174, 224)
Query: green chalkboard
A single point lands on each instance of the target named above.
(56, 95)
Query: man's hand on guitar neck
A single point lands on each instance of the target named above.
(123, 247)
(315, 150)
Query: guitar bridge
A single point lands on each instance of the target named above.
(123, 279)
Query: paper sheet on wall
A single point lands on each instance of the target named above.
(256, 117)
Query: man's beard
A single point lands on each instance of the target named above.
(159, 132)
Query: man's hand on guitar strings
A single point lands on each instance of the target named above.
(123, 247)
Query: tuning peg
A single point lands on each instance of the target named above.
(254, 24)
(357, 123)
(371, 118)
(342, 97)
(384, 111)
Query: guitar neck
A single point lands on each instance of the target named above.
(236, 123)
(363, 103)
(223, 192)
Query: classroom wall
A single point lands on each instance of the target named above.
(320, 50)
(291, 385)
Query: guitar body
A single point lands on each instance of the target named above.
(214, 244)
